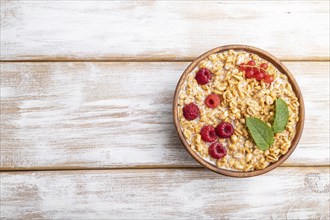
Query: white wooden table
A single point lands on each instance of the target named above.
(86, 121)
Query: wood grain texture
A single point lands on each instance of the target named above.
(160, 30)
(96, 115)
(285, 193)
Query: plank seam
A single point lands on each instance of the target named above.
(131, 168)
(140, 61)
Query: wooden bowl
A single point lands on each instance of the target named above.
(264, 55)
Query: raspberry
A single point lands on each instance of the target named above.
(212, 101)
(208, 133)
(217, 151)
(203, 76)
(224, 130)
(190, 111)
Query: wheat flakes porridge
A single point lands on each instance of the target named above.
(224, 100)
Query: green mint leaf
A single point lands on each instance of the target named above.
(281, 116)
(261, 133)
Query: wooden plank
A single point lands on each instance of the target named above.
(94, 115)
(285, 193)
(160, 30)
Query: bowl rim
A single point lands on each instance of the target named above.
(280, 66)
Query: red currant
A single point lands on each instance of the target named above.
(259, 76)
(251, 63)
(264, 66)
(248, 68)
(268, 78)
(249, 74)
(255, 70)
(242, 67)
